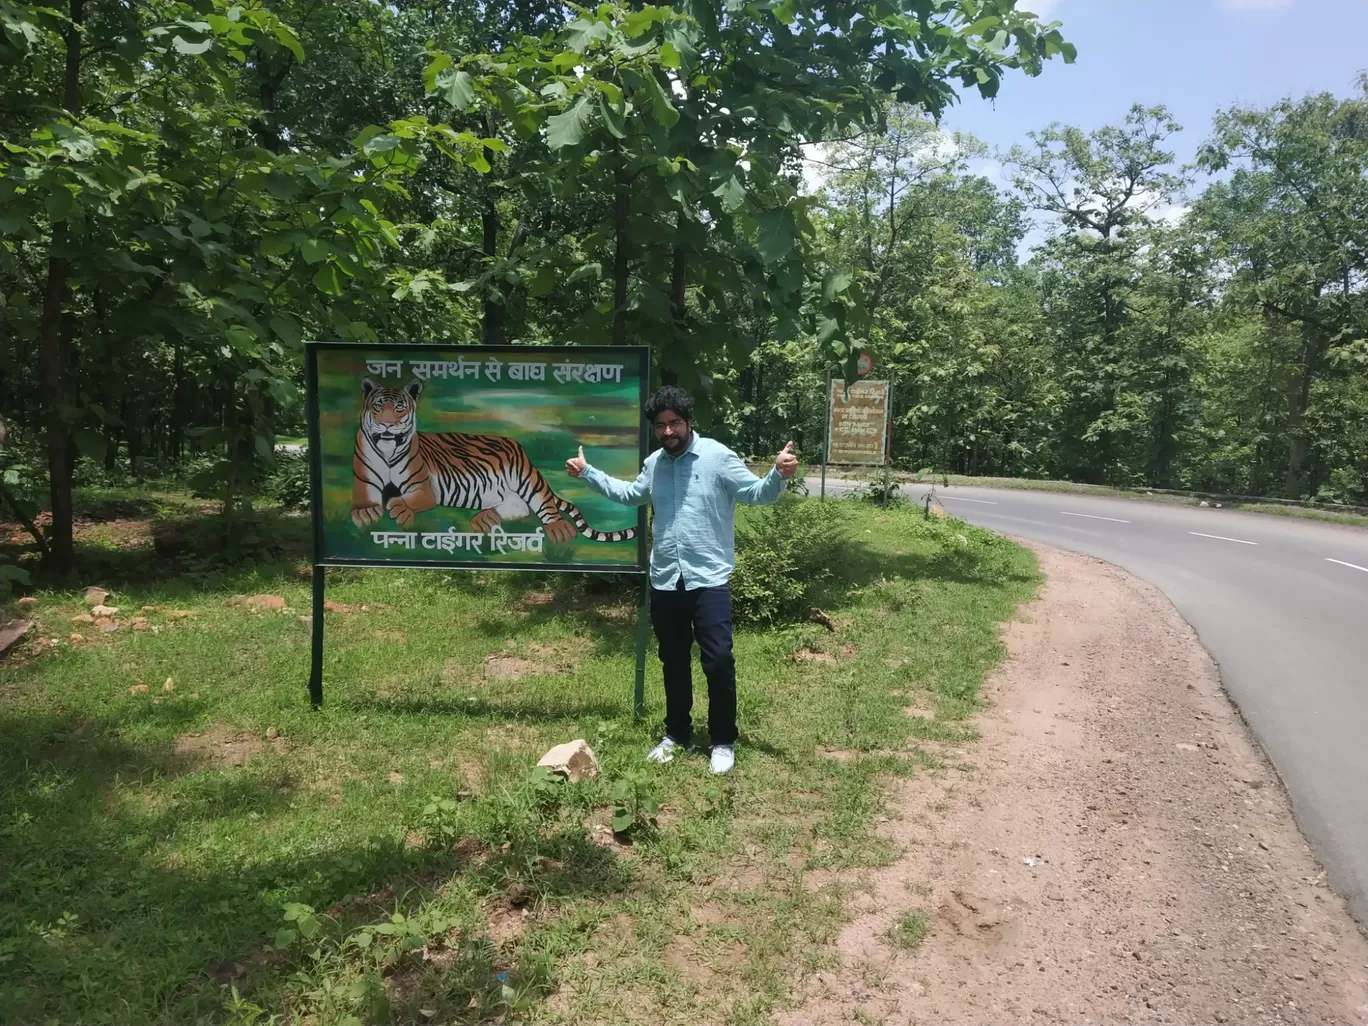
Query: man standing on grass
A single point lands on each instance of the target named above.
(693, 484)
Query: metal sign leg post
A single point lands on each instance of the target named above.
(826, 434)
(643, 613)
(316, 657)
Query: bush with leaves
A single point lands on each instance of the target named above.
(289, 483)
(783, 555)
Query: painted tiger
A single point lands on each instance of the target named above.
(406, 471)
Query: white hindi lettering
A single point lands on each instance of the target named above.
(498, 539)
(407, 539)
(493, 369)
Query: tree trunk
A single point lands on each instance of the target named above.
(180, 407)
(621, 268)
(52, 363)
(1298, 398)
(493, 303)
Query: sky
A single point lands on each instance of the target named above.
(1194, 56)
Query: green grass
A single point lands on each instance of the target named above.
(1328, 514)
(291, 440)
(1352, 519)
(210, 850)
(910, 929)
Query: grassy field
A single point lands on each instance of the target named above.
(185, 841)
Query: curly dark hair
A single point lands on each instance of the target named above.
(670, 398)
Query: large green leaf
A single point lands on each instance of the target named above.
(732, 193)
(661, 108)
(59, 203)
(775, 239)
(327, 280)
(570, 128)
(612, 118)
(456, 87)
(187, 46)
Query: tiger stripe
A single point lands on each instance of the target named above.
(463, 471)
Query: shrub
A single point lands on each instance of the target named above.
(783, 555)
(289, 483)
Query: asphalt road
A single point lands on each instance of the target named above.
(1281, 604)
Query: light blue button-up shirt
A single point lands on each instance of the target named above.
(694, 496)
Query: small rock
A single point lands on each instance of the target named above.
(272, 733)
(103, 610)
(329, 606)
(103, 622)
(83, 618)
(1184, 747)
(518, 893)
(76, 639)
(181, 614)
(108, 627)
(148, 609)
(1204, 504)
(96, 596)
(138, 689)
(138, 623)
(573, 760)
(235, 601)
(169, 686)
(27, 602)
(224, 972)
(265, 602)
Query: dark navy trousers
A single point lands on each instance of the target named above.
(680, 618)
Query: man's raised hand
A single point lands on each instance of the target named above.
(575, 465)
(786, 462)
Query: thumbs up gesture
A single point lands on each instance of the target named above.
(575, 465)
(787, 461)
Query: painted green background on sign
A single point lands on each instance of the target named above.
(549, 418)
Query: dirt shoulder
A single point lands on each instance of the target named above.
(1120, 852)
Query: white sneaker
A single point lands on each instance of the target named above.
(663, 752)
(723, 758)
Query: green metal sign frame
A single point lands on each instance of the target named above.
(440, 361)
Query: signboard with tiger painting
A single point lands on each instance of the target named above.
(454, 456)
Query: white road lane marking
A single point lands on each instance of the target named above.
(1114, 520)
(1352, 566)
(961, 498)
(1221, 537)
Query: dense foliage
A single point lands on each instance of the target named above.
(1160, 334)
(188, 188)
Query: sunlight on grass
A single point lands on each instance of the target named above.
(186, 841)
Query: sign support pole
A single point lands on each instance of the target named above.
(643, 612)
(826, 433)
(316, 657)
(888, 441)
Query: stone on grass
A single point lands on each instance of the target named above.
(104, 610)
(573, 760)
(83, 618)
(12, 632)
(27, 602)
(264, 602)
(96, 596)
